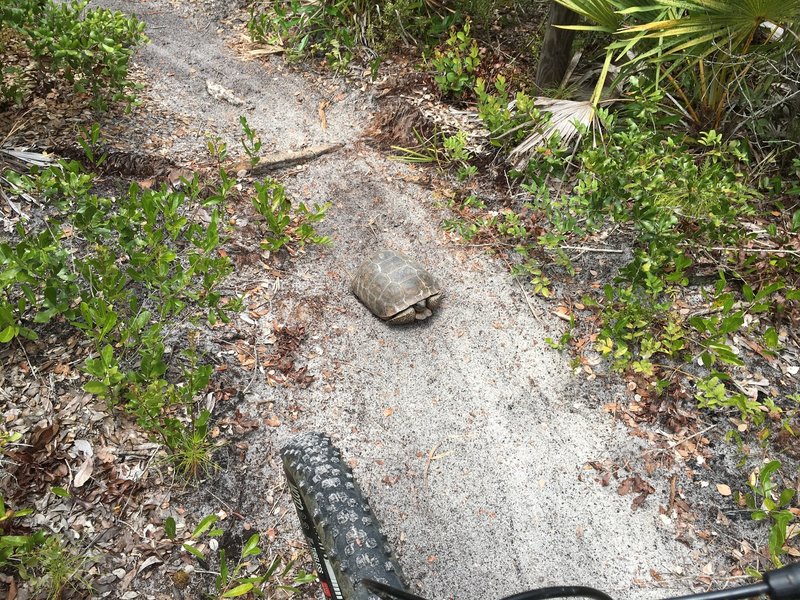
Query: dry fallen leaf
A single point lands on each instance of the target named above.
(149, 562)
(723, 489)
(388, 412)
(105, 455)
(12, 590)
(657, 577)
(272, 421)
(84, 473)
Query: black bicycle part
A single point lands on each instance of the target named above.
(387, 591)
(784, 583)
(560, 591)
(343, 535)
(737, 593)
(353, 562)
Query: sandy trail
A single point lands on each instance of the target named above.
(470, 435)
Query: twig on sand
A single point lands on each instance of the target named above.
(524, 294)
(255, 369)
(431, 457)
(231, 510)
(675, 443)
(590, 249)
(282, 160)
(528, 302)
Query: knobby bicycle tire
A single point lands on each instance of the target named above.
(343, 535)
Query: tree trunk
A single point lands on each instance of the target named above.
(557, 47)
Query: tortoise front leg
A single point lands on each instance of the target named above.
(401, 318)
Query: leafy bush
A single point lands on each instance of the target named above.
(768, 501)
(41, 559)
(248, 575)
(148, 265)
(89, 49)
(660, 186)
(509, 120)
(456, 62)
(35, 282)
(684, 200)
(338, 29)
(285, 225)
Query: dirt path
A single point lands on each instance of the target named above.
(470, 435)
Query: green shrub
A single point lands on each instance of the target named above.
(41, 559)
(683, 200)
(146, 265)
(663, 187)
(769, 501)
(456, 61)
(509, 120)
(90, 49)
(284, 225)
(245, 576)
(36, 282)
(718, 61)
(338, 30)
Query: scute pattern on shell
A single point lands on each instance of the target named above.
(389, 282)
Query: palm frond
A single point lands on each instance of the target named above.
(31, 158)
(567, 119)
(601, 12)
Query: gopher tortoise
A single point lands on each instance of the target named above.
(396, 288)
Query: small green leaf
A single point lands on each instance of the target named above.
(765, 476)
(224, 573)
(239, 590)
(96, 387)
(61, 492)
(107, 354)
(13, 541)
(786, 497)
(251, 547)
(273, 567)
(204, 525)
(8, 334)
(45, 315)
(192, 550)
(170, 528)
(771, 338)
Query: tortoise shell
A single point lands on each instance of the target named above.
(396, 288)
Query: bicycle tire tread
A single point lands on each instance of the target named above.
(339, 516)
